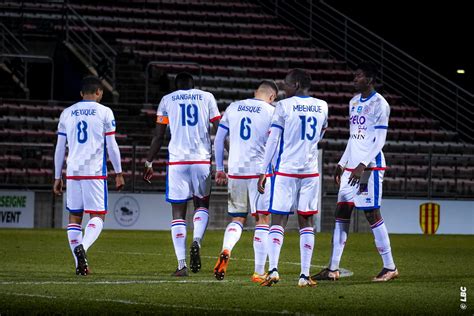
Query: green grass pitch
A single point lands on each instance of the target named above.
(131, 275)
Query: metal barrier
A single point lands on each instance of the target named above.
(400, 72)
(98, 56)
(21, 75)
(424, 175)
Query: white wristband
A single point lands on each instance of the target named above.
(148, 164)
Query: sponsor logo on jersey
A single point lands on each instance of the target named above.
(126, 211)
(429, 217)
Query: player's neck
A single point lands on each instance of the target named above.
(89, 97)
(301, 93)
(367, 92)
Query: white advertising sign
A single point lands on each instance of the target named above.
(134, 212)
(17, 209)
(428, 217)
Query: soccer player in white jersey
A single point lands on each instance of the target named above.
(189, 113)
(88, 128)
(298, 124)
(247, 123)
(360, 173)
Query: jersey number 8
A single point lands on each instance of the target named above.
(82, 132)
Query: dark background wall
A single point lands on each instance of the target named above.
(439, 34)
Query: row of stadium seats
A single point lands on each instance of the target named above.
(269, 51)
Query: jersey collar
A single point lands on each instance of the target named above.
(368, 98)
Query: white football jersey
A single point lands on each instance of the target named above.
(188, 113)
(248, 122)
(302, 120)
(365, 116)
(85, 126)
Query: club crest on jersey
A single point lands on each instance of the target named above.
(126, 211)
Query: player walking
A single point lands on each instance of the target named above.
(88, 128)
(297, 125)
(247, 123)
(188, 112)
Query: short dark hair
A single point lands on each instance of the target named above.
(269, 83)
(368, 68)
(184, 80)
(300, 76)
(90, 84)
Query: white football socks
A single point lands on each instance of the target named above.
(339, 238)
(178, 234)
(200, 220)
(382, 242)
(306, 248)
(92, 232)
(274, 244)
(74, 235)
(232, 235)
(260, 247)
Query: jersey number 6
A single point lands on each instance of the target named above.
(245, 130)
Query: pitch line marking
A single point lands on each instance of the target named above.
(128, 302)
(343, 272)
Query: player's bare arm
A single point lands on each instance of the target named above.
(156, 143)
(58, 187)
(338, 173)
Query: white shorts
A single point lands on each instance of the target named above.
(88, 196)
(290, 194)
(244, 193)
(183, 182)
(367, 194)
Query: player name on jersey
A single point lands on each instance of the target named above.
(251, 109)
(187, 97)
(307, 108)
(85, 112)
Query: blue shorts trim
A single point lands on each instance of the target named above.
(238, 214)
(272, 211)
(367, 208)
(179, 201)
(75, 211)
